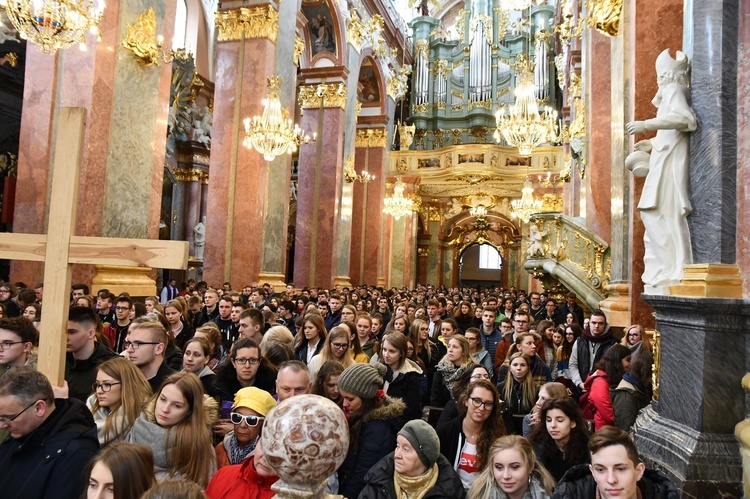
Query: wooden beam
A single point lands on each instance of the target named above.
(28, 247)
(57, 270)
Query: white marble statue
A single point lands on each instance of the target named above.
(201, 123)
(665, 202)
(199, 238)
(536, 248)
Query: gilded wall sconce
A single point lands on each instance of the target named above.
(141, 39)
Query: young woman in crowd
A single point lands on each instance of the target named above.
(210, 333)
(513, 473)
(364, 333)
(636, 340)
(399, 324)
(477, 320)
(633, 393)
(176, 425)
(548, 391)
(33, 312)
(402, 379)
(571, 318)
(276, 335)
(596, 402)
(572, 332)
(245, 368)
(518, 393)
(120, 392)
(448, 329)
(250, 480)
(463, 316)
(465, 441)
(121, 470)
(310, 342)
(526, 344)
(337, 347)
(195, 360)
(180, 329)
(249, 411)
(326, 383)
(415, 469)
(480, 354)
(355, 347)
(560, 439)
(427, 351)
(449, 370)
(374, 420)
(450, 411)
(546, 330)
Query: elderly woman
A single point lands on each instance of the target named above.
(414, 470)
(251, 405)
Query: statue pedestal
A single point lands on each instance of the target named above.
(689, 432)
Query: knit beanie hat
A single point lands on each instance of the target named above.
(423, 439)
(363, 380)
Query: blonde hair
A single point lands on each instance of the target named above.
(644, 337)
(416, 324)
(466, 359)
(484, 487)
(326, 353)
(134, 393)
(275, 335)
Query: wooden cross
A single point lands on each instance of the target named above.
(59, 249)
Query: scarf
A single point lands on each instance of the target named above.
(416, 487)
(450, 373)
(632, 380)
(607, 334)
(157, 438)
(235, 451)
(535, 491)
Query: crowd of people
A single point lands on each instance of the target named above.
(463, 392)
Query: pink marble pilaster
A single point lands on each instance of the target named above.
(320, 178)
(193, 211)
(359, 220)
(743, 147)
(234, 225)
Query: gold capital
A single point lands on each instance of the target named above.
(258, 22)
(371, 137)
(323, 95)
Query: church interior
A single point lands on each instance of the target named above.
(395, 143)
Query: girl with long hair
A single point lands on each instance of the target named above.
(526, 344)
(310, 342)
(210, 332)
(399, 324)
(176, 425)
(480, 354)
(636, 340)
(448, 329)
(180, 329)
(476, 372)
(355, 347)
(337, 347)
(596, 401)
(518, 393)
(402, 379)
(427, 351)
(463, 316)
(449, 370)
(560, 439)
(634, 391)
(326, 383)
(572, 332)
(195, 360)
(348, 313)
(465, 441)
(120, 392)
(546, 329)
(121, 470)
(513, 472)
(548, 391)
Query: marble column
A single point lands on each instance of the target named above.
(743, 146)
(367, 209)
(234, 228)
(124, 146)
(321, 184)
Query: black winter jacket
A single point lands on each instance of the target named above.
(406, 387)
(578, 483)
(379, 481)
(50, 461)
(81, 374)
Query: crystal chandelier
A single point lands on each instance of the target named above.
(516, 4)
(397, 205)
(523, 208)
(271, 134)
(523, 127)
(53, 25)
(479, 211)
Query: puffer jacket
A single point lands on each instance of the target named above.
(627, 401)
(379, 481)
(406, 387)
(241, 481)
(376, 440)
(578, 483)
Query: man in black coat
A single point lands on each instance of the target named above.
(84, 353)
(570, 306)
(615, 472)
(50, 440)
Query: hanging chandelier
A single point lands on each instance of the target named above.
(479, 211)
(397, 205)
(516, 4)
(53, 25)
(523, 127)
(523, 208)
(271, 134)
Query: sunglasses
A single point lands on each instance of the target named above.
(236, 418)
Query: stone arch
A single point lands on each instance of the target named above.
(311, 11)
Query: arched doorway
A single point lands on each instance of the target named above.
(480, 264)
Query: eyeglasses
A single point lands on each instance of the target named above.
(340, 346)
(236, 418)
(521, 322)
(122, 309)
(634, 334)
(137, 344)
(8, 420)
(242, 361)
(4, 291)
(5, 345)
(477, 402)
(480, 376)
(106, 386)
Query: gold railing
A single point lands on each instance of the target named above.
(573, 258)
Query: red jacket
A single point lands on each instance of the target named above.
(597, 386)
(240, 481)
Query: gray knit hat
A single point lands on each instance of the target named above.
(424, 439)
(363, 380)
